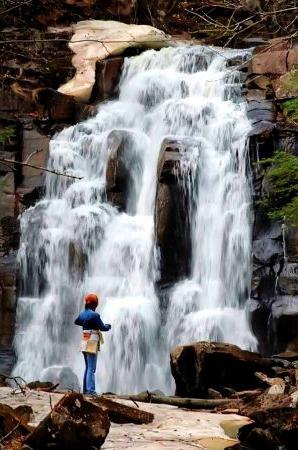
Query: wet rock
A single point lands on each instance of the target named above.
(262, 129)
(261, 111)
(74, 423)
(171, 218)
(8, 274)
(172, 232)
(292, 244)
(35, 150)
(62, 375)
(264, 282)
(107, 77)
(284, 317)
(123, 169)
(288, 279)
(267, 250)
(203, 365)
(77, 260)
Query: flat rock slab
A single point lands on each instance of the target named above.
(39, 401)
(173, 429)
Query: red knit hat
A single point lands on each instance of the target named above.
(91, 300)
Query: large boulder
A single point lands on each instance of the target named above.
(95, 40)
(123, 174)
(73, 424)
(203, 365)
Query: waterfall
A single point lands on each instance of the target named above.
(74, 241)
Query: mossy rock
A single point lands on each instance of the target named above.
(281, 181)
(290, 108)
(287, 85)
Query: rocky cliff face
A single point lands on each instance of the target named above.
(274, 304)
(36, 61)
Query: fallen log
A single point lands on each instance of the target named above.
(120, 413)
(180, 402)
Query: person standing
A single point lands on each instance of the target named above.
(92, 326)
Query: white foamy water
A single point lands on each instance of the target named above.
(74, 241)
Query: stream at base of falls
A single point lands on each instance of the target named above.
(74, 241)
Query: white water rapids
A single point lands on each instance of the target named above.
(74, 241)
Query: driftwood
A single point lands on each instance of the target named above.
(119, 413)
(245, 394)
(181, 402)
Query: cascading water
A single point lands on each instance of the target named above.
(74, 241)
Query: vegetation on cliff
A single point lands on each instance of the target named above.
(6, 134)
(281, 183)
(291, 109)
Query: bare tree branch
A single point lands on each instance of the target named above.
(44, 169)
(15, 7)
(32, 154)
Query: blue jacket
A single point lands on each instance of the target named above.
(90, 320)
